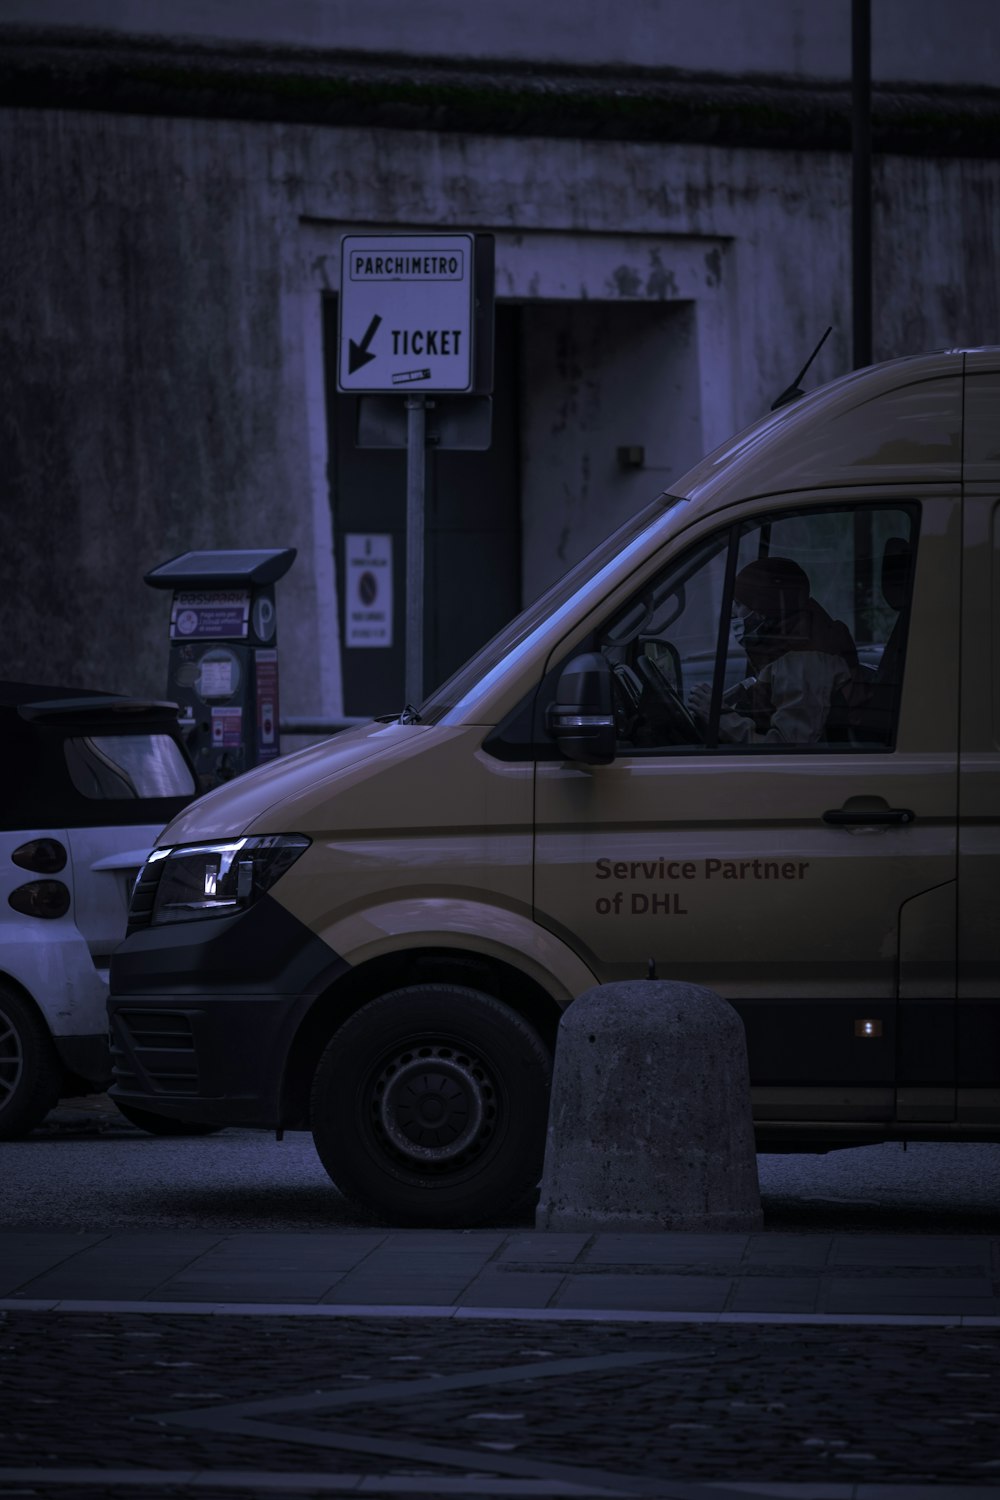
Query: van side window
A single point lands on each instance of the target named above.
(784, 633)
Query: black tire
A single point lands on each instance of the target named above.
(440, 1049)
(31, 1074)
(161, 1125)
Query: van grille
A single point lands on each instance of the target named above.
(140, 912)
(154, 1047)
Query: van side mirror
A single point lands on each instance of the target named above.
(582, 718)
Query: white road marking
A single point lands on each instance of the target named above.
(494, 1314)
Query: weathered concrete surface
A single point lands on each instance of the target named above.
(910, 38)
(650, 1125)
(162, 381)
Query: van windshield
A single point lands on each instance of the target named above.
(558, 594)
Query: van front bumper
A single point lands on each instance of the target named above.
(202, 1015)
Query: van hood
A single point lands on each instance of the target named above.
(228, 811)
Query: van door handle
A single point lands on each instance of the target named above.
(842, 817)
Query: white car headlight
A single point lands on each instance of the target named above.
(213, 880)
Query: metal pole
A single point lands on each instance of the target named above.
(416, 472)
(861, 179)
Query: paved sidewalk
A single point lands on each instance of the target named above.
(794, 1277)
(507, 1362)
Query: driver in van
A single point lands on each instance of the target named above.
(802, 662)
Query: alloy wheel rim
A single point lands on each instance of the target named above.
(11, 1059)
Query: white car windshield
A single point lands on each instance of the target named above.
(128, 765)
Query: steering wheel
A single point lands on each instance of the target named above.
(679, 719)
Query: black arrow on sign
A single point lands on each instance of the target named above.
(357, 354)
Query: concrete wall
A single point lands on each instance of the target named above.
(915, 40)
(151, 385)
(602, 375)
(161, 381)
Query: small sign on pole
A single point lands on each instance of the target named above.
(368, 590)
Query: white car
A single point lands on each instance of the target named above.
(90, 779)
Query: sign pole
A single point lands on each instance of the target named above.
(416, 475)
(416, 318)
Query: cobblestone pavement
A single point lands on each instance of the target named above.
(389, 1406)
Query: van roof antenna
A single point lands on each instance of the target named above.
(792, 392)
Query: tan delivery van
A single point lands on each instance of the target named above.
(754, 737)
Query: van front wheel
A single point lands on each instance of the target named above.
(429, 1107)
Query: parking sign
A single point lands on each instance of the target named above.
(406, 313)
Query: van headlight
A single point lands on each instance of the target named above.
(213, 880)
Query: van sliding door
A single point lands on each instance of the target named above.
(978, 1061)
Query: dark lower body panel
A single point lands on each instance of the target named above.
(203, 1014)
(85, 1058)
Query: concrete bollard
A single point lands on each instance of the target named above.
(650, 1123)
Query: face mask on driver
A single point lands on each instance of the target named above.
(750, 628)
(740, 616)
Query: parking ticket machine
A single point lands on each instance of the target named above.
(223, 668)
